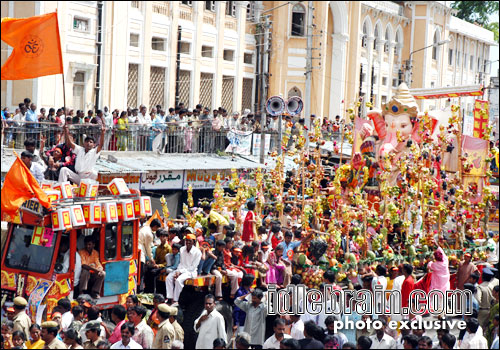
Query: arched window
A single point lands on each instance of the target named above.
(471, 61)
(451, 49)
(376, 35)
(298, 20)
(399, 45)
(387, 40)
(365, 34)
(294, 92)
(435, 48)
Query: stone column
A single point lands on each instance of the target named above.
(338, 72)
(241, 19)
(219, 53)
(369, 47)
(392, 44)
(380, 58)
(198, 9)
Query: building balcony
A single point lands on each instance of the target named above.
(166, 138)
(386, 6)
(161, 7)
(209, 18)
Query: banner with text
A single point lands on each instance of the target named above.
(162, 180)
(239, 142)
(256, 144)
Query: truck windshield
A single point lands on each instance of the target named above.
(31, 249)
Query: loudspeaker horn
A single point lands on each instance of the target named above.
(275, 105)
(294, 105)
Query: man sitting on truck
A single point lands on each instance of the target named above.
(91, 268)
(64, 267)
(190, 257)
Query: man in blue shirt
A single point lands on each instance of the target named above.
(288, 250)
(32, 118)
(289, 245)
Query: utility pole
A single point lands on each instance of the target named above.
(307, 102)
(178, 68)
(263, 83)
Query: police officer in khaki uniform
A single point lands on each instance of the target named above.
(179, 331)
(21, 320)
(486, 298)
(49, 336)
(166, 334)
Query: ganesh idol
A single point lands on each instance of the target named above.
(393, 127)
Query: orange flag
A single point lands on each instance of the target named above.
(19, 186)
(37, 47)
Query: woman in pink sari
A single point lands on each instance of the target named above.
(440, 278)
(275, 273)
(440, 273)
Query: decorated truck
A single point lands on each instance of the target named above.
(35, 255)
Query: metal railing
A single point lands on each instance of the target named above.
(162, 138)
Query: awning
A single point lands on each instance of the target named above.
(150, 161)
(447, 92)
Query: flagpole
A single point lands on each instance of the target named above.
(63, 82)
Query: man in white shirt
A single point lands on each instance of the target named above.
(29, 145)
(35, 168)
(493, 256)
(381, 281)
(273, 342)
(142, 117)
(86, 157)
(146, 239)
(210, 325)
(64, 248)
(108, 121)
(232, 123)
(127, 330)
(382, 340)
(297, 329)
(66, 317)
(190, 257)
(143, 334)
(475, 340)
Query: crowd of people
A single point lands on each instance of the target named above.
(246, 252)
(252, 260)
(182, 129)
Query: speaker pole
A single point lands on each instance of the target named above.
(280, 130)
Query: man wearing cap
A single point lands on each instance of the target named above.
(465, 269)
(21, 320)
(92, 332)
(166, 334)
(178, 330)
(49, 336)
(35, 168)
(485, 293)
(190, 257)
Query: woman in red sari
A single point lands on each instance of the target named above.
(249, 228)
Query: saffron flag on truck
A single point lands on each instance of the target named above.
(19, 186)
(36, 47)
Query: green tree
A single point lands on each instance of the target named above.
(478, 12)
